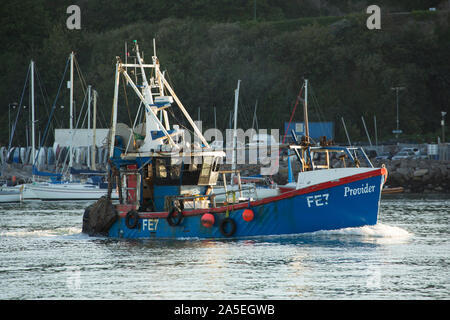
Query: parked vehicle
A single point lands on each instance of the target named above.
(416, 151)
(408, 154)
(383, 156)
(420, 156)
(262, 139)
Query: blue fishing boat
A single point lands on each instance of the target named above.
(166, 185)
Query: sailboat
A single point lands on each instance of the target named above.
(57, 188)
(9, 195)
(165, 194)
(20, 192)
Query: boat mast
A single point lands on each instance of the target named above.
(147, 92)
(89, 125)
(146, 97)
(94, 127)
(186, 114)
(114, 111)
(160, 85)
(233, 162)
(71, 114)
(33, 141)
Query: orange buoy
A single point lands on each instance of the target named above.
(207, 220)
(248, 215)
(384, 172)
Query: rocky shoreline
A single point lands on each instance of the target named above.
(418, 175)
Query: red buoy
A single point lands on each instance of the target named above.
(207, 220)
(248, 215)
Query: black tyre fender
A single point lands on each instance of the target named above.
(132, 219)
(223, 227)
(85, 228)
(175, 217)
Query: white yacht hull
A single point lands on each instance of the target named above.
(9, 196)
(69, 191)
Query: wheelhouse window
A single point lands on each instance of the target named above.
(161, 170)
(167, 173)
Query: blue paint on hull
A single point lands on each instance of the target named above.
(349, 205)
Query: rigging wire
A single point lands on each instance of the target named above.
(318, 110)
(64, 170)
(299, 96)
(84, 88)
(45, 99)
(80, 75)
(18, 111)
(52, 111)
(126, 101)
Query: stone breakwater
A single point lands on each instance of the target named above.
(417, 176)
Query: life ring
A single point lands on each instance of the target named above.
(175, 217)
(223, 227)
(132, 219)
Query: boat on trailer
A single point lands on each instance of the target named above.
(166, 186)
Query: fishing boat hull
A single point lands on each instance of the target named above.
(351, 201)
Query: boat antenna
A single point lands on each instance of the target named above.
(305, 112)
(346, 132)
(365, 128)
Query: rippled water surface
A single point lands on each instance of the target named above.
(44, 255)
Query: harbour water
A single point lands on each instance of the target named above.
(44, 255)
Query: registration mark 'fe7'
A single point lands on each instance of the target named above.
(150, 224)
(318, 200)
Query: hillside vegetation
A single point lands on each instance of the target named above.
(206, 46)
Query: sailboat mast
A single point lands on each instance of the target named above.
(71, 114)
(94, 127)
(236, 98)
(89, 126)
(305, 111)
(33, 141)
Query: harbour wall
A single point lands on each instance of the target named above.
(418, 175)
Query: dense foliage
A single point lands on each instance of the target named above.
(206, 46)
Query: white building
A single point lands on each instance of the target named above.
(80, 137)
